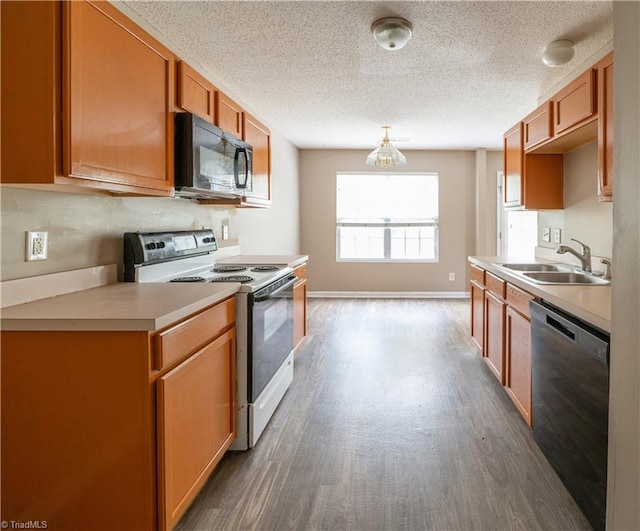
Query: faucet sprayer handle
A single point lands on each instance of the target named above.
(607, 268)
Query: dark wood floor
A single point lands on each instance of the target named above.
(393, 422)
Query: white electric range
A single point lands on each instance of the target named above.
(264, 314)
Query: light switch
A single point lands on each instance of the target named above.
(556, 235)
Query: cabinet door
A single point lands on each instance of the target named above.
(195, 93)
(605, 128)
(259, 137)
(494, 309)
(299, 312)
(575, 104)
(477, 315)
(513, 167)
(228, 114)
(538, 126)
(518, 345)
(196, 424)
(119, 84)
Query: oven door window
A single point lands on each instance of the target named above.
(271, 339)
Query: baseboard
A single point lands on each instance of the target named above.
(389, 294)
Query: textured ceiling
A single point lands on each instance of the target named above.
(312, 71)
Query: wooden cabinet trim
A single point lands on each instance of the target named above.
(185, 460)
(513, 165)
(228, 115)
(605, 128)
(476, 273)
(518, 354)
(196, 94)
(494, 337)
(575, 104)
(477, 314)
(86, 116)
(189, 335)
(495, 285)
(538, 126)
(301, 272)
(519, 299)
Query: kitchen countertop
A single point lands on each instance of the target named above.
(589, 303)
(293, 260)
(120, 306)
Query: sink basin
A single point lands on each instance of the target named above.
(535, 267)
(564, 277)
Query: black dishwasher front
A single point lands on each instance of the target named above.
(570, 387)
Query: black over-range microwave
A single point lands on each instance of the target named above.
(209, 161)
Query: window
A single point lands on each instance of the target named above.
(384, 217)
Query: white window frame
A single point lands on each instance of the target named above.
(388, 225)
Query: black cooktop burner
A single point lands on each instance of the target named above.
(188, 279)
(233, 278)
(266, 268)
(228, 268)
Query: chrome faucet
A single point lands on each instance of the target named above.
(584, 256)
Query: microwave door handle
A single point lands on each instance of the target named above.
(246, 167)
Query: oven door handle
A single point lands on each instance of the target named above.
(271, 294)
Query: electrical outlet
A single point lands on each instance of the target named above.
(556, 235)
(452, 276)
(546, 234)
(225, 232)
(36, 246)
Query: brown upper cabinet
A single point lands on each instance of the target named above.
(196, 94)
(538, 126)
(228, 115)
(531, 181)
(259, 137)
(575, 104)
(87, 100)
(580, 113)
(605, 128)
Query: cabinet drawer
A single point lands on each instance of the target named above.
(191, 334)
(496, 285)
(301, 272)
(519, 300)
(477, 274)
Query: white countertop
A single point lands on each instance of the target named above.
(122, 306)
(292, 260)
(589, 303)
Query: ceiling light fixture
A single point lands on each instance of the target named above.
(391, 33)
(385, 155)
(558, 53)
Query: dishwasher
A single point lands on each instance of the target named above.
(570, 392)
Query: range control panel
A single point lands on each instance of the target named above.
(143, 248)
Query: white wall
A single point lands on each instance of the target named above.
(457, 178)
(623, 499)
(584, 217)
(87, 230)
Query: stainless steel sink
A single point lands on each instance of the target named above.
(564, 277)
(535, 267)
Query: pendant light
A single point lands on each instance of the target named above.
(385, 155)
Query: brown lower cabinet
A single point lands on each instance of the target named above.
(300, 305)
(494, 316)
(501, 311)
(107, 430)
